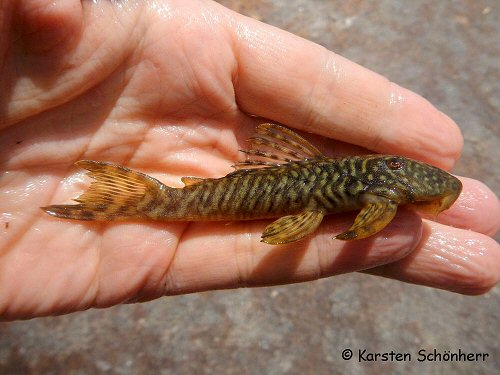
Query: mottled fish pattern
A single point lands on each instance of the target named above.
(284, 177)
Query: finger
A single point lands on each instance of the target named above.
(59, 267)
(42, 31)
(45, 24)
(215, 256)
(64, 49)
(91, 264)
(296, 82)
(477, 208)
(449, 258)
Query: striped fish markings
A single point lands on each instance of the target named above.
(284, 177)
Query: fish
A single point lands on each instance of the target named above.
(284, 177)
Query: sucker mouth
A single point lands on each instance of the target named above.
(448, 200)
(436, 206)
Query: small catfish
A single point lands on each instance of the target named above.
(284, 177)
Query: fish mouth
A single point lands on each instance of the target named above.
(436, 206)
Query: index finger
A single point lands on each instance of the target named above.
(288, 79)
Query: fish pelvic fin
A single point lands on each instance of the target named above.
(292, 228)
(373, 217)
(117, 193)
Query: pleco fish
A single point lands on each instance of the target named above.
(283, 177)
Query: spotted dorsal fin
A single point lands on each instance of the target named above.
(274, 145)
(187, 181)
(292, 228)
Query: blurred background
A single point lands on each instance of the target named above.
(447, 51)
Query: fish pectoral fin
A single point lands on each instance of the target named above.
(372, 218)
(292, 228)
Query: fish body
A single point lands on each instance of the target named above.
(264, 193)
(285, 177)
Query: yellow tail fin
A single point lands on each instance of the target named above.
(117, 193)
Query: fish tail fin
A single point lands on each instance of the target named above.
(117, 193)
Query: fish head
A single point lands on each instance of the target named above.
(408, 181)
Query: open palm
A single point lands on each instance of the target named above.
(166, 89)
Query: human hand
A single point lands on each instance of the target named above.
(166, 88)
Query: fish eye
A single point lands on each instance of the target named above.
(394, 164)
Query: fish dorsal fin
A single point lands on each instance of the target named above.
(274, 145)
(285, 140)
(188, 181)
(373, 217)
(292, 228)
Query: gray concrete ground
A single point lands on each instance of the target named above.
(445, 50)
